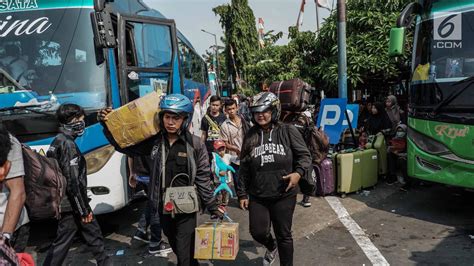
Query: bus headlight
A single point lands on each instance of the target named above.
(426, 143)
(98, 158)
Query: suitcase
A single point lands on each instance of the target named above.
(294, 94)
(325, 181)
(378, 142)
(349, 172)
(369, 161)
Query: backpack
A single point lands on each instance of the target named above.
(45, 185)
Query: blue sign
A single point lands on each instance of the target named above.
(353, 111)
(331, 116)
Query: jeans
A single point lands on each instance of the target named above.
(279, 214)
(68, 226)
(181, 234)
(146, 220)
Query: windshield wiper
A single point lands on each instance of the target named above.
(11, 79)
(27, 108)
(467, 81)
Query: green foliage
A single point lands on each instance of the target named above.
(238, 22)
(314, 59)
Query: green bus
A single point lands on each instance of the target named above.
(441, 91)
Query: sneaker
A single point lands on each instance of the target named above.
(141, 236)
(305, 202)
(161, 250)
(270, 257)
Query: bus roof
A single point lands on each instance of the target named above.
(446, 5)
(130, 7)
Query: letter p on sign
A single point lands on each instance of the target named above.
(330, 115)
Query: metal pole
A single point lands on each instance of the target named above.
(341, 43)
(218, 72)
(217, 59)
(317, 17)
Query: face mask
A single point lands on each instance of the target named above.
(400, 134)
(77, 128)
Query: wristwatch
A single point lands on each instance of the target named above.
(7, 235)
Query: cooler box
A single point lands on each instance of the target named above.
(217, 241)
(135, 121)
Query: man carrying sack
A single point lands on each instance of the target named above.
(179, 164)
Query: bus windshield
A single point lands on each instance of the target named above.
(50, 53)
(443, 56)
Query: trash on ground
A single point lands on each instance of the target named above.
(120, 252)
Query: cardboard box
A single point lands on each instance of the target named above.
(217, 241)
(135, 121)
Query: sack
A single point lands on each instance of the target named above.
(294, 94)
(179, 200)
(45, 185)
(7, 254)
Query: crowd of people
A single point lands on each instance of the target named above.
(267, 158)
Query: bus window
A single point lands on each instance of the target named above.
(152, 45)
(147, 57)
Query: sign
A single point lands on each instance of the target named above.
(353, 111)
(331, 116)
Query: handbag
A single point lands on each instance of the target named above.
(179, 200)
(7, 254)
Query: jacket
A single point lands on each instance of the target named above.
(74, 168)
(151, 149)
(268, 156)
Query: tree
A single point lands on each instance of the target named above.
(315, 58)
(368, 26)
(238, 22)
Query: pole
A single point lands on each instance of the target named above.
(341, 43)
(218, 72)
(317, 17)
(217, 59)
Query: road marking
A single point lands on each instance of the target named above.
(372, 253)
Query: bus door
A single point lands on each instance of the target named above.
(147, 49)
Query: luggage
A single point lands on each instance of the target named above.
(349, 171)
(378, 142)
(325, 180)
(369, 160)
(294, 94)
(45, 185)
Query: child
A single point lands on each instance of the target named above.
(220, 150)
(395, 151)
(76, 214)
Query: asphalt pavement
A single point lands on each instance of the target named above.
(428, 225)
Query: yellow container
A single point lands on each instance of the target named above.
(217, 241)
(135, 121)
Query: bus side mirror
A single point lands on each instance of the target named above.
(397, 42)
(104, 36)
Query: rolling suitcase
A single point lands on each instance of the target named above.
(369, 161)
(294, 94)
(349, 172)
(378, 142)
(325, 181)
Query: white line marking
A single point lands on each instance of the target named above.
(372, 253)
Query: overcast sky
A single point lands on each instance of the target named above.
(193, 15)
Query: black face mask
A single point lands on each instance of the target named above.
(76, 128)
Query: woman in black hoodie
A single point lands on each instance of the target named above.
(379, 120)
(273, 159)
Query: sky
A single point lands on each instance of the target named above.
(193, 15)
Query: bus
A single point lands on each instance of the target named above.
(441, 93)
(94, 53)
